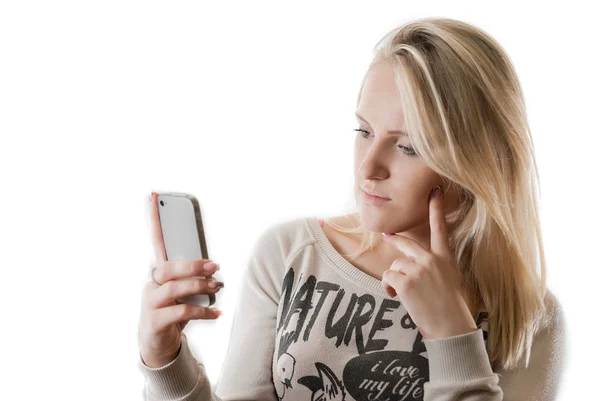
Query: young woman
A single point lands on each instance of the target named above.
(451, 305)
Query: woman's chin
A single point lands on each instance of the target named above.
(375, 223)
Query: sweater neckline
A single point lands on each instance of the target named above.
(342, 264)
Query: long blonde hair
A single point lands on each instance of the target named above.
(465, 114)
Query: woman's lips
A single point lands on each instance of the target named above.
(373, 200)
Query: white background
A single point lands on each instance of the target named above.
(249, 106)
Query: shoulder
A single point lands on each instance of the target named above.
(273, 251)
(548, 342)
(553, 317)
(285, 237)
(541, 364)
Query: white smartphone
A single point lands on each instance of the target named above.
(183, 235)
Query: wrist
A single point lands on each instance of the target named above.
(450, 332)
(159, 362)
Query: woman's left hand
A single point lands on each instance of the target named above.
(428, 282)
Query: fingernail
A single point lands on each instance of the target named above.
(437, 192)
(214, 284)
(211, 265)
(218, 311)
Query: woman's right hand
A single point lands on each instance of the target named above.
(163, 318)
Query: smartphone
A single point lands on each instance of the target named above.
(183, 235)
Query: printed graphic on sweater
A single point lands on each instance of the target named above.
(360, 326)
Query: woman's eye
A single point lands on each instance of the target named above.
(407, 150)
(362, 132)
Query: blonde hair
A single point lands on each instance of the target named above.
(465, 114)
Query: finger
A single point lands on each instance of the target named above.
(175, 269)
(169, 292)
(392, 279)
(406, 266)
(164, 318)
(158, 244)
(409, 247)
(437, 222)
(389, 289)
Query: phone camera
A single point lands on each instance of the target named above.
(162, 203)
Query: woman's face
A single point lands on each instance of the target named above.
(385, 164)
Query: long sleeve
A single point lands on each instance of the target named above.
(183, 379)
(460, 369)
(246, 373)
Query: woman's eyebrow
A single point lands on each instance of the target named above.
(401, 133)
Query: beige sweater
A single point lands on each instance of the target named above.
(309, 325)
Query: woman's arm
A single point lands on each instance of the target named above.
(460, 368)
(246, 373)
(182, 379)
